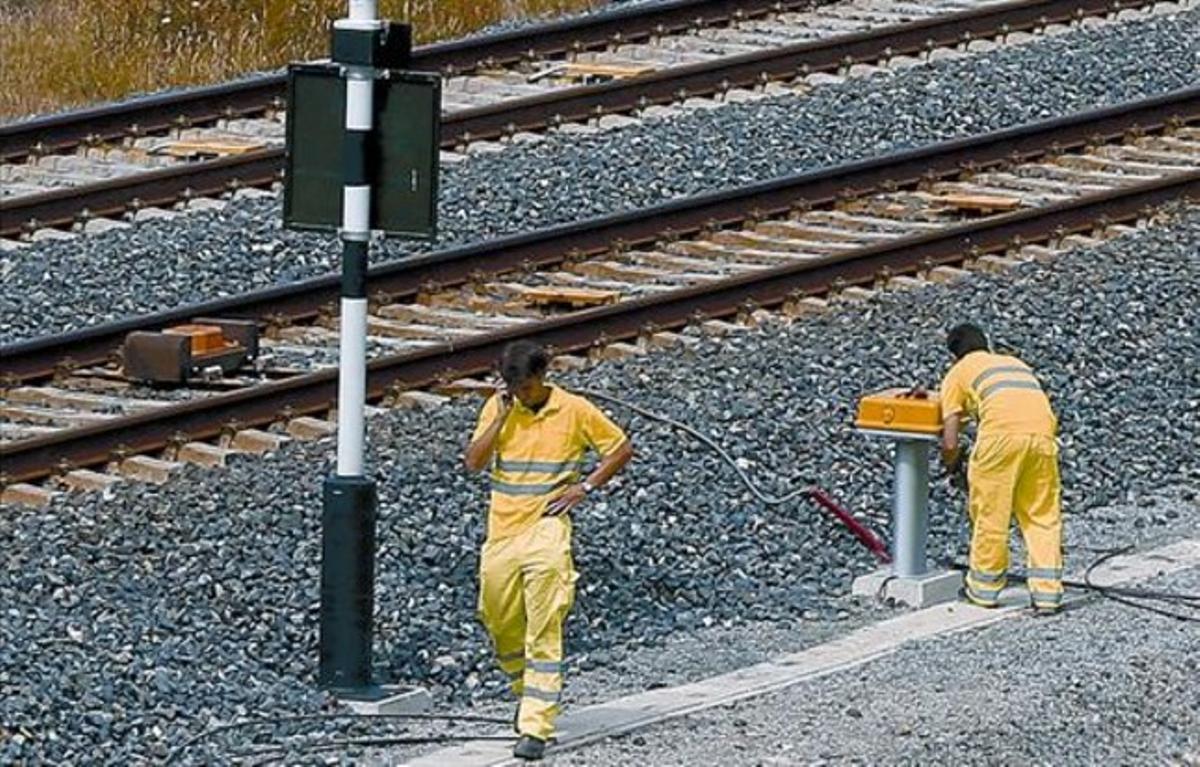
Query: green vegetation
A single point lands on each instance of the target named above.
(56, 54)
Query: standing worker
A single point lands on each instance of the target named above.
(1013, 468)
(534, 437)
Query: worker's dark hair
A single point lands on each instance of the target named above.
(521, 360)
(966, 338)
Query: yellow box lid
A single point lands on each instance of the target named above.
(900, 409)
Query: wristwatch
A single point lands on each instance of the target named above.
(588, 487)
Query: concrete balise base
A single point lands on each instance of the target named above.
(932, 588)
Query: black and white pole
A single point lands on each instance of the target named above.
(349, 498)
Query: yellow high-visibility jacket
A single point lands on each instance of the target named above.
(540, 454)
(1000, 393)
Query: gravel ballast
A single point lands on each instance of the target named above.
(58, 286)
(1100, 684)
(132, 621)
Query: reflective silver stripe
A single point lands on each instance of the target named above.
(508, 488)
(1001, 385)
(1045, 573)
(984, 595)
(1047, 598)
(545, 666)
(985, 375)
(519, 655)
(537, 693)
(983, 577)
(542, 467)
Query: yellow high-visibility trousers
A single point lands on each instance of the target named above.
(1015, 474)
(526, 589)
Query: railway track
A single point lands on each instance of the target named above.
(615, 285)
(160, 152)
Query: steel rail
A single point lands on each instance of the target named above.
(316, 392)
(157, 112)
(63, 208)
(38, 358)
(757, 68)
(162, 187)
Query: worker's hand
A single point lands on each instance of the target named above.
(951, 459)
(956, 472)
(567, 501)
(506, 398)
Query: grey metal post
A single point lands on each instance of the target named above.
(910, 512)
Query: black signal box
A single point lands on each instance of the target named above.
(389, 47)
(403, 150)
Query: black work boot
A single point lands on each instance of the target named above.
(529, 748)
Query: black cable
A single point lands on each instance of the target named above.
(1136, 593)
(1150, 608)
(720, 451)
(867, 536)
(1121, 594)
(1126, 591)
(277, 720)
(879, 593)
(1108, 592)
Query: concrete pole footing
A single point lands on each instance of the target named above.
(390, 699)
(933, 587)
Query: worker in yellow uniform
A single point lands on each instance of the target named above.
(533, 437)
(1013, 467)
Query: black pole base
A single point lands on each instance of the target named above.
(347, 585)
(370, 693)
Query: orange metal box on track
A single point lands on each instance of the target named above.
(902, 410)
(205, 339)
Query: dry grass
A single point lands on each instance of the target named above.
(56, 54)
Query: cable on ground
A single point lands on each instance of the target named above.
(1121, 594)
(864, 534)
(1126, 596)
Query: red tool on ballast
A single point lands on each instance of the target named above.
(863, 533)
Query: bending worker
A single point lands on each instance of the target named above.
(534, 438)
(1013, 468)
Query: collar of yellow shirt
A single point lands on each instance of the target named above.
(552, 404)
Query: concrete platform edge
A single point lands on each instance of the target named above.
(632, 712)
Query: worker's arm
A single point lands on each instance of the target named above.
(607, 439)
(611, 464)
(606, 470)
(950, 452)
(954, 404)
(483, 444)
